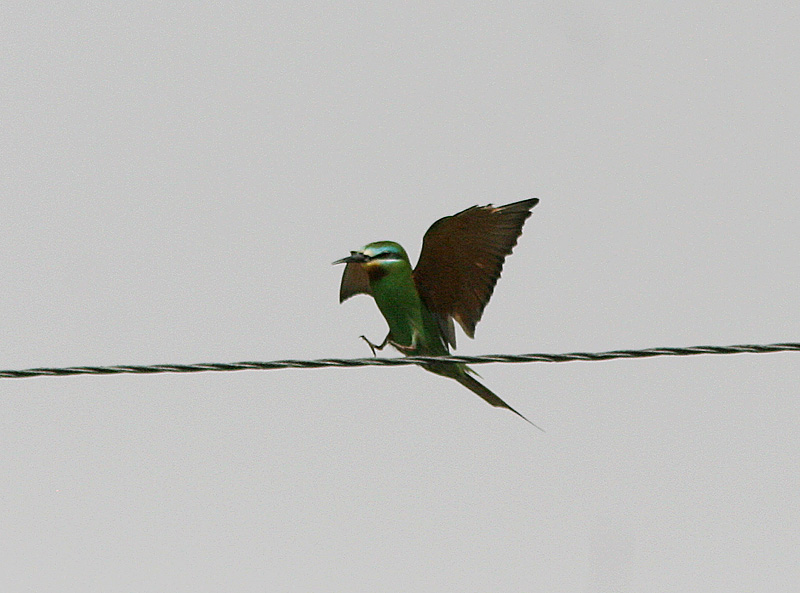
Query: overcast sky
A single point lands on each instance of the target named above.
(175, 183)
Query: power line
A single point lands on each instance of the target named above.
(409, 360)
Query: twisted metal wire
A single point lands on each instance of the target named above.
(409, 360)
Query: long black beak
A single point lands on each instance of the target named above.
(355, 257)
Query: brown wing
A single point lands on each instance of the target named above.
(354, 281)
(461, 259)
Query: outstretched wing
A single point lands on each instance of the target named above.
(354, 281)
(461, 259)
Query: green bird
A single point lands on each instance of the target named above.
(461, 259)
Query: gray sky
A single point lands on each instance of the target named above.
(175, 183)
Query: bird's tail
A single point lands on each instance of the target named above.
(484, 392)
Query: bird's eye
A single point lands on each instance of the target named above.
(384, 255)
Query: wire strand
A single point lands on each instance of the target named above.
(409, 360)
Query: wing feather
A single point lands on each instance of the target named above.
(354, 281)
(462, 258)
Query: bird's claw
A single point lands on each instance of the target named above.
(371, 345)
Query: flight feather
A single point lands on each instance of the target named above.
(461, 260)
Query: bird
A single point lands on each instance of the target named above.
(460, 262)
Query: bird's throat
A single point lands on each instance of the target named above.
(375, 272)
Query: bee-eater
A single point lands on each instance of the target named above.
(461, 259)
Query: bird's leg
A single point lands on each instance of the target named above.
(375, 347)
(407, 350)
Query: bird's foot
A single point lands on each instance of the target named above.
(406, 350)
(372, 346)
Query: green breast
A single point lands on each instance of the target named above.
(398, 300)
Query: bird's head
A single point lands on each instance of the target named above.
(379, 255)
(373, 263)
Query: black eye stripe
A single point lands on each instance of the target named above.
(385, 255)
